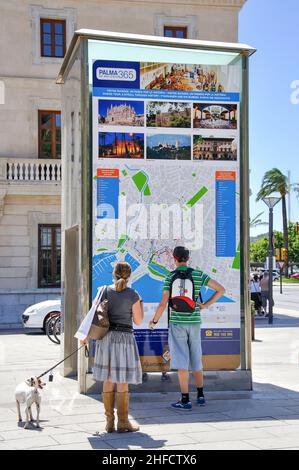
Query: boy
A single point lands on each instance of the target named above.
(184, 327)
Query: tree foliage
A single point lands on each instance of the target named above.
(259, 249)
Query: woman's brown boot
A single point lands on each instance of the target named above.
(108, 400)
(123, 423)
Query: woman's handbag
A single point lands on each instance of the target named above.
(96, 322)
(100, 322)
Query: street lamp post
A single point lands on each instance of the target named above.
(271, 202)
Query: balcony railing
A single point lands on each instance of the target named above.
(20, 169)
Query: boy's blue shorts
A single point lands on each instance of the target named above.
(185, 346)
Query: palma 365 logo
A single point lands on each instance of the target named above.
(112, 73)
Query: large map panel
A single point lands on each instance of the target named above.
(166, 173)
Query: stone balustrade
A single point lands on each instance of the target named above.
(20, 169)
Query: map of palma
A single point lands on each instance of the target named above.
(151, 257)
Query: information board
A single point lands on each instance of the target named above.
(166, 154)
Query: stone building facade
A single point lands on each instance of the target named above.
(33, 40)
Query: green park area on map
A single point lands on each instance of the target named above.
(197, 196)
(140, 181)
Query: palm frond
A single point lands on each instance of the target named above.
(273, 181)
(256, 221)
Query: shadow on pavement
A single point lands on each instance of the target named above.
(125, 440)
(279, 321)
(23, 331)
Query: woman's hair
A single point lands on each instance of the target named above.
(121, 274)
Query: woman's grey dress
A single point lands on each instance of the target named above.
(116, 355)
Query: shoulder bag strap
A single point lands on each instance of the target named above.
(100, 295)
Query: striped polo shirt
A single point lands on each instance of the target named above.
(200, 279)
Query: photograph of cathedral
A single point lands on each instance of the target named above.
(213, 148)
(168, 147)
(214, 116)
(121, 145)
(121, 113)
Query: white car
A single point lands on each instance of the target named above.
(36, 315)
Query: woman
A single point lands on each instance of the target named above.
(255, 289)
(116, 356)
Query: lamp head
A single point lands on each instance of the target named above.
(271, 201)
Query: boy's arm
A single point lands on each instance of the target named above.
(219, 291)
(160, 309)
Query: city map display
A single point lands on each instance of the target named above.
(166, 173)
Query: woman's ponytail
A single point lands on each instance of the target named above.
(122, 272)
(120, 284)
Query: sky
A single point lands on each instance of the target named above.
(271, 26)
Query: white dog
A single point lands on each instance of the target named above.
(28, 392)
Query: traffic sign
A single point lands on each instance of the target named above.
(281, 264)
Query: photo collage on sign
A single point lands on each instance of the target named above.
(172, 129)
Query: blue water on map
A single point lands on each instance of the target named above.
(132, 262)
(149, 289)
(207, 293)
(102, 270)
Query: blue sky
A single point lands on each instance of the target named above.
(271, 26)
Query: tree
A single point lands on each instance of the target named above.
(259, 250)
(293, 243)
(275, 181)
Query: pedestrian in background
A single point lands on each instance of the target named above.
(265, 291)
(255, 293)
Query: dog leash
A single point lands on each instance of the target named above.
(58, 363)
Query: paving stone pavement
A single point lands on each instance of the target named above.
(267, 418)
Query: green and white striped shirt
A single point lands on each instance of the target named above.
(200, 279)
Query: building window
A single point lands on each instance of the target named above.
(49, 134)
(175, 31)
(53, 38)
(49, 255)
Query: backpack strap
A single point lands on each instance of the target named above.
(190, 270)
(172, 274)
(189, 274)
